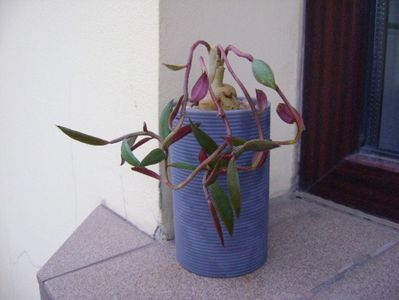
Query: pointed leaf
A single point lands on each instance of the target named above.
(164, 129)
(260, 145)
(128, 155)
(182, 132)
(176, 108)
(82, 137)
(261, 99)
(263, 73)
(174, 67)
(284, 113)
(140, 143)
(233, 183)
(147, 172)
(205, 141)
(200, 88)
(181, 165)
(130, 141)
(223, 207)
(145, 127)
(178, 135)
(216, 221)
(152, 158)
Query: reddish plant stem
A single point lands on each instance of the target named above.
(238, 52)
(185, 86)
(194, 173)
(298, 120)
(217, 101)
(244, 90)
(138, 133)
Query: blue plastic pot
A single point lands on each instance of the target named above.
(198, 248)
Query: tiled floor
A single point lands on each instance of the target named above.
(317, 250)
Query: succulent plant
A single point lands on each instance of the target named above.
(208, 93)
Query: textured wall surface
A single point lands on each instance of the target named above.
(91, 65)
(270, 30)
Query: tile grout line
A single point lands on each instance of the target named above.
(350, 267)
(101, 261)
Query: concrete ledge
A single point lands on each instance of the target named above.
(316, 251)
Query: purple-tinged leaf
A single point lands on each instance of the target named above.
(145, 127)
(155, 156)
(202, 155)
(216, 221)
(261, 100)
(200, 88)
(147, 172)
(181, 133)
(82, 137)
(284, 113)
(175, 67)
(175, 110)
(223, 207)
(233, 184)
(178, 135)
(140, 143)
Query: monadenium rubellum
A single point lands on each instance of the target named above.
(208, 93)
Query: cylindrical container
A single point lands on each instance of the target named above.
(198, 248)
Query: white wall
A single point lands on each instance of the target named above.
(91, 65)
(271, 30)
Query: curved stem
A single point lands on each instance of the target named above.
(138, 133)
(238, 52)
(244, 90)
(217, 102)
(185, 86)
(298, 120)
(199, 168)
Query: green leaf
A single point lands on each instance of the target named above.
(233, 184)
(152, 158)
(223, 206)
(216, 221)
(164, 129)
(130, 141)
(260, 145)
(175, 67)
(82, 137)
(263, 73)
(128, 155)
(184, 166)
(205, 141)
(237, 141)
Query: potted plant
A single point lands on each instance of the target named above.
(215, 151)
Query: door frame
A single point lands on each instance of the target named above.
(333, 164)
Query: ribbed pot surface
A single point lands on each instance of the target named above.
(198, 248)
